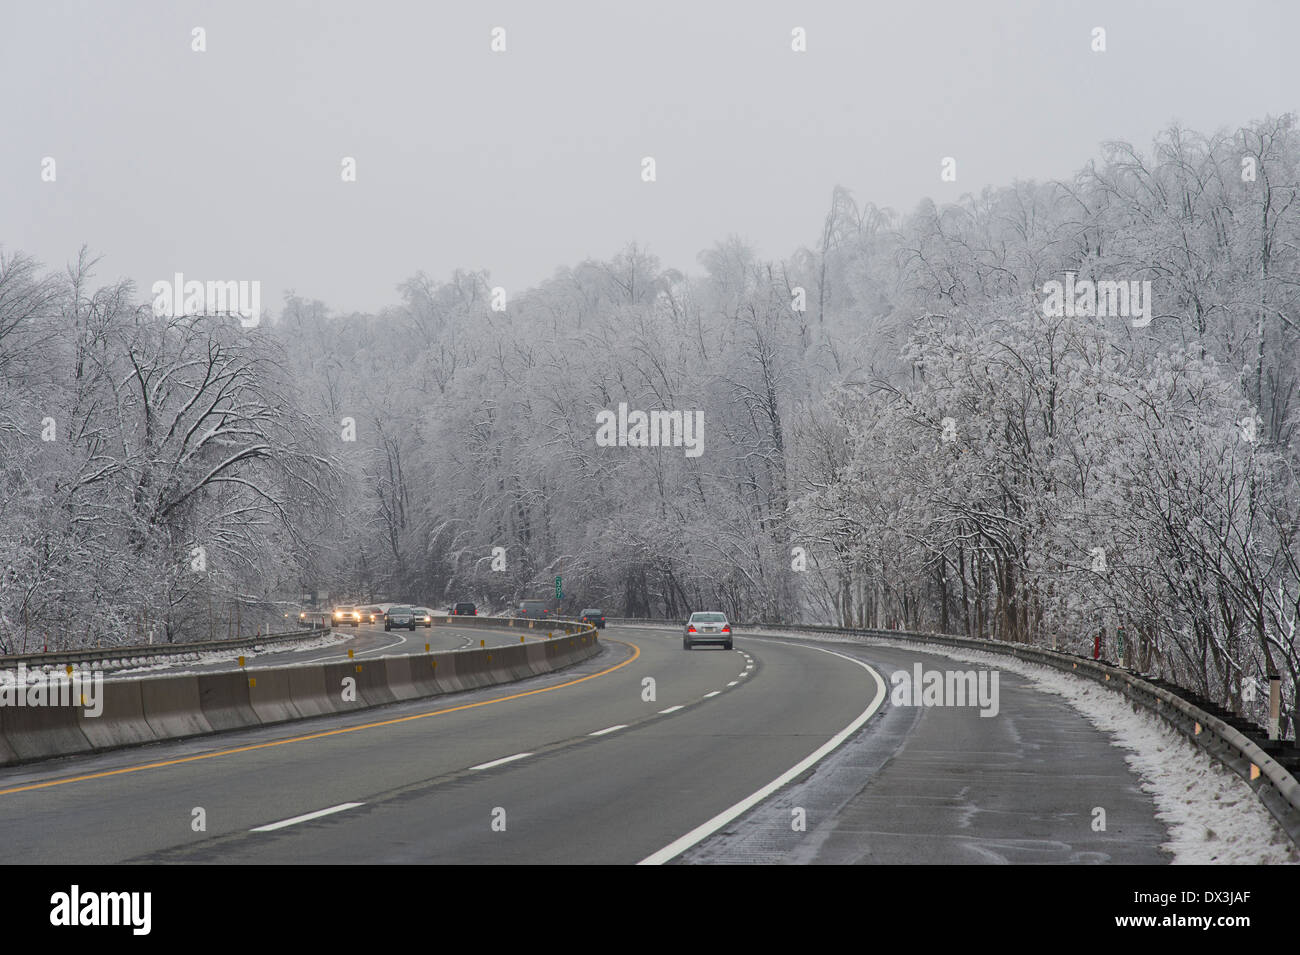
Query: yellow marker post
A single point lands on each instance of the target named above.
(521, 640)
(358, 667)
(1254, 771)
(482, 643)
(69, 669)
(1196, 731)
(349, 654)
(252, 681)
(426, 648)
(241, 661)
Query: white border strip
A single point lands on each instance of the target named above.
(700, 833)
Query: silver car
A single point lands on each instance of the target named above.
(707, 627)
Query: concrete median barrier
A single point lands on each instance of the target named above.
(311, 696)
(121, 720)
(368, 683)
(430, 680)
(159, 707)
(224, 700)
(7, 754)
(38, 732)
(398, 677)
(172, 708)
(270, 695)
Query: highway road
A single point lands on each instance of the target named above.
(582, 767)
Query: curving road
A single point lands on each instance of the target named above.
(580, 766)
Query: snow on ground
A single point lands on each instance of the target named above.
(250, 653)
(1212, 814)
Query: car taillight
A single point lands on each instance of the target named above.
(727, 629)
(690, 629)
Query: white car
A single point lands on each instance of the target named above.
(707, 627)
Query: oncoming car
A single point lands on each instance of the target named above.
(399, 617)
(706, 627)
(424, 617)
(347, 616)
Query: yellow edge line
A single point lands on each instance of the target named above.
(636, 652)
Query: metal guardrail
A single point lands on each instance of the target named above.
(143, 651)
(1275, 786)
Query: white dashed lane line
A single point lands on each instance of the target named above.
(307, 817)
(733, 683)
(714, 693)
(501, 761)
(671, 709)
(609, 729)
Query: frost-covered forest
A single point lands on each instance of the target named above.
(894, 432)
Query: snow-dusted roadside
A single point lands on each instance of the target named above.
(1213, 816)
(205, 658)
(250, 654)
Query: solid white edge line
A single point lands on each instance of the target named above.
(609, 729)
(700, 833)
(307, 817)
(671, 709)
(498, 762)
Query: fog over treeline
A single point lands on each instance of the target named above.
(919, 445)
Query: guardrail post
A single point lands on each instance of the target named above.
(1274, 705)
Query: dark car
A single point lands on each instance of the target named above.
(399, 617)
(464, 610)
(594, 616)
(534, 609)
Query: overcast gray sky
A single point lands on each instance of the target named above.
(226, 164)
